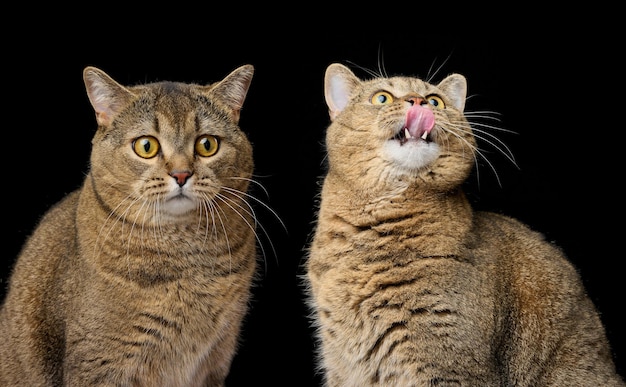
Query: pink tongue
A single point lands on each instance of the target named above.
(419, 120)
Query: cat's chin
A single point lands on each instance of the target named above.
(178, 206)
(413, 154)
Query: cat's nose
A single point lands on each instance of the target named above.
(181, 176)
(414, 100)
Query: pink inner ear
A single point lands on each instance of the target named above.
(337, 95)
(103, 118)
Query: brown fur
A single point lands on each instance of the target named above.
(124, 283)
(408, 285)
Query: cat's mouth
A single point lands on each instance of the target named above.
(418, 124)
(405, 135)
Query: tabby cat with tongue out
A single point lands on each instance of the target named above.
(407, 284)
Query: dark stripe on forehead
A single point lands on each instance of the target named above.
(174, 102)
(155, 125)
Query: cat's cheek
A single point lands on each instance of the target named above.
(411, 156)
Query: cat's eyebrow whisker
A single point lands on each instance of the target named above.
(365, 69)
(430, 76)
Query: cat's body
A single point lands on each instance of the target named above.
(408, 285)
(142, 276)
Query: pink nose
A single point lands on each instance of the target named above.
(181, 177)
(415, 100)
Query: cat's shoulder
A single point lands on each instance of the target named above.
(60, 217)
(506, 229)
(524, 242)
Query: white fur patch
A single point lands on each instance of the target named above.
(414, 154)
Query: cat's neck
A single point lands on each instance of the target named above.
(431, 223)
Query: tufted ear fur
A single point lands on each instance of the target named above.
(106, 95)
(232, 90)
(455, 87)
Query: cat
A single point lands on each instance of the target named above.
(142, 276)
(407, 284)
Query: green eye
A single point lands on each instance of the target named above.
(381, 98)
(146, 147)
(435, 101)
(207, 145)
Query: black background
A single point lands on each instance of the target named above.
(549, 90)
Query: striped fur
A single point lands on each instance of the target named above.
(142, 276)
(407, 285)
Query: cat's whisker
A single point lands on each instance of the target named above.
(241, 195)
(100, 243)
(157, 230)
(371, 72)
(259, 201)
(479, 127)
(485, 136)
(497, 144)
(120, 218)
(208, 206)
(252, 227)
(204, 209)
(222, 223)
(485, 114)
(138, 212)
(453, 128)
(430, 76)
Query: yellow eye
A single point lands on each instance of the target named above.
(435, 101)
(382, 98)
(146, 147)
(207, 145)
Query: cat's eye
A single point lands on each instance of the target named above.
(381, 98)
(435, 101)
(207, 145)
(146, 147)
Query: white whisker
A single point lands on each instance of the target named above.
(241, 195)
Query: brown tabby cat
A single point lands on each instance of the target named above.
(408, 285)
(142, 276)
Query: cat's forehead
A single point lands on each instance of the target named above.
(168, 92)
(400, 85)
(172, 109)
(172, 98)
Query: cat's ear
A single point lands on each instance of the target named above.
(106, 95)
(339, 82)
(455, 87)
(232, 90)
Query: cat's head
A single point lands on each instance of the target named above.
(397, 131)
(167, 151)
